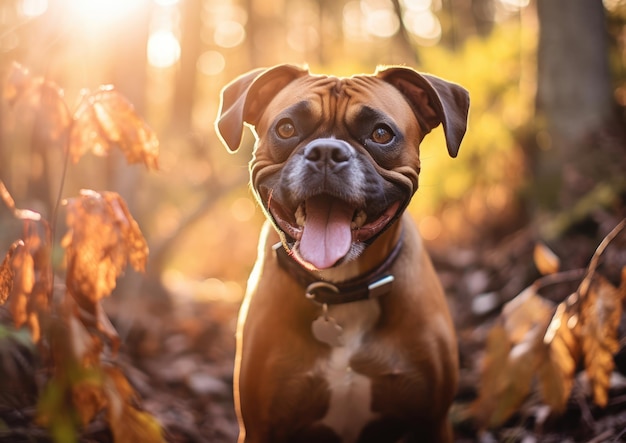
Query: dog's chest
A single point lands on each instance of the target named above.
(349, 408)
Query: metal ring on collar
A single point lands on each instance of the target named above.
(315, 286)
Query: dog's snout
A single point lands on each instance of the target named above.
(327, 153)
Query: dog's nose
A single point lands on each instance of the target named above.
(330, 153)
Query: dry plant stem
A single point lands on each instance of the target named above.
(602, 437)
(585, 411)
(559, 277)
(575, 298)
(595, 260)
(57, 203)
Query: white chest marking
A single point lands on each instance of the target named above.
(350, 392)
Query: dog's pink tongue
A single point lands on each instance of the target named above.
(327, 236)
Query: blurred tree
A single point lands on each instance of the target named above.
(128, 51)
(191, 30)
(483, 14)
(579, 143)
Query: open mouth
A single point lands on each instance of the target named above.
(325, 227)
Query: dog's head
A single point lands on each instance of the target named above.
(337, 159)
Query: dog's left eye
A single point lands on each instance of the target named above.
(382, 135)
(285, 128)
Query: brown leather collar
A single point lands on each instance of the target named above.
(369, 285)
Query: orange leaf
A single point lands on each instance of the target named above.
(106, 118)
(23, 282)
(524, 313)
(6, 272)
(41, 99)
(83, 346)
(37, 239)
(506, 377)
(101, 239)
(601, 311)
(128, 424)
(26, 274)
(546, 261)
(511, 358)
(91, 323)
(85, 135)
(559, 356)
(88, 398)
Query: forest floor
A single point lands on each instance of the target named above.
(178, 355)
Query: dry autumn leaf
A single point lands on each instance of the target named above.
(23, 282)
(89, 324)
(128, 423)
(6, 271)
(89, 398)
(505, 382)
(102, 238)
(545, 259)
(37, 239)
(559, 356)
(26, 274)
(105, 118)
(38, 98)
(530, 340)
(82, 346)
(31, 277)
(601, 311)
(511, 358)
(83, 385)
(525, 313)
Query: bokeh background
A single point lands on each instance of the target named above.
(543, 161)
(545, 145)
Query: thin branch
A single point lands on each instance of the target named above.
(595, 259)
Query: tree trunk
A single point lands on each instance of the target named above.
(577, 145)
(186, 79)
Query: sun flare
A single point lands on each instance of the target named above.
(94, 12)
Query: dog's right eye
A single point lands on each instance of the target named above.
(285, 128)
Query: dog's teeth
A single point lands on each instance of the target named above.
(300, 215)
(358, 220)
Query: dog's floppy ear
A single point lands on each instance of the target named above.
(434, 101)
(244, 99)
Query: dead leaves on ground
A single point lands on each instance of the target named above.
(535, 342)
(103, 119)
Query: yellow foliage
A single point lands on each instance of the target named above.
(499, 73)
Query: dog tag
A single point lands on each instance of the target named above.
(326, 330)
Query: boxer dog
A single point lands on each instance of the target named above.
(344, 334)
